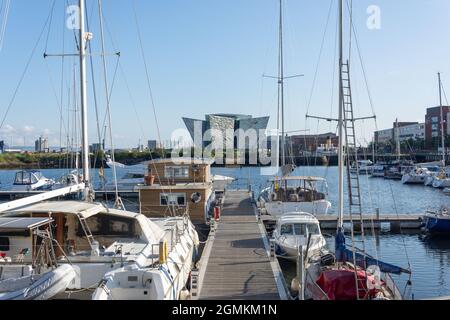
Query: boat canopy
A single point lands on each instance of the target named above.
(8, 224)
(152, 232)
(27, 177)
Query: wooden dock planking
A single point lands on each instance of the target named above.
(239, 267)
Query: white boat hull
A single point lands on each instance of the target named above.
(277, 209)
(414, 179)
(441, 183)
(42, 287)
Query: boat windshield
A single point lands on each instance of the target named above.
(300, 229)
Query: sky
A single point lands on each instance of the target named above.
(209, 56)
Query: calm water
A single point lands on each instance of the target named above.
(429, 258)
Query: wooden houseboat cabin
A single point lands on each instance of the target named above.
(174, 186)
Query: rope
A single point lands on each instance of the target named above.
(22, 77)
(5, 9)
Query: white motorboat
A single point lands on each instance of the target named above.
(31, 180)
(295, 194)
(220, 183)
(127, 183)
(362, 167)
(71, 179)
(165, 278)
(41, 278)
(416, 176)
(297, 230)
(378, 171)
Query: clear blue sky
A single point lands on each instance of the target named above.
(208, 56)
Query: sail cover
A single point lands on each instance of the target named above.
(364, 261)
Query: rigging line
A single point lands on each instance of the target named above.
(62, 91)
(49, 26)
(122, 70)
(108, 101)
(7, 4)
(159, 178)
(320, 56)
(363, 68)
(91, 62)
(146, 70)
(63, 125)
(350, 9)
(22, 77)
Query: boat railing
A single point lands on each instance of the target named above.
(316, 291)
(390, 284)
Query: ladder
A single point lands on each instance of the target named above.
(86, 230)
(195, 274)
(354, 190)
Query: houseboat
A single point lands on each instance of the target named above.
(174, 186)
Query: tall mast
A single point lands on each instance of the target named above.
(442, 121)
(341, 121)
(281, 88)
(84, 37)
(397, 140)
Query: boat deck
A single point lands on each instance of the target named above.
(238, 265)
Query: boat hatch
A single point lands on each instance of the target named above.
(10, 224)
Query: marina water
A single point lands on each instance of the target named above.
(429, 257)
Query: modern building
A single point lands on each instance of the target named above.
(433, 125)
(41, 145)
(152, 145)
(384, 136)
(312, 143)
(406, 131)
(219, 126)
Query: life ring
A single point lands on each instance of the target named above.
(273, 196)
(196, 197)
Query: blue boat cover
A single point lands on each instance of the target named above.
(362, 260)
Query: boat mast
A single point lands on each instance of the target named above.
(341, 122)
(84, 37)
(281, 87)
(442, 122)
(397, 140)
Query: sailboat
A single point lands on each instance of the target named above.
(349, 274)
(96, 240)
(287, 193)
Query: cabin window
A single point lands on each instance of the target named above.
(4, 244)
(287, 229)
(305, 229)
(109, 226)
(173, 199)
(177, 172)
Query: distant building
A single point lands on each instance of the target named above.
(406, 131)
(95, 148)
(313, 143)
(217, 125)
(433, 125)
(384, 136)
(41, 145)
(414, 131)
(152, 145)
